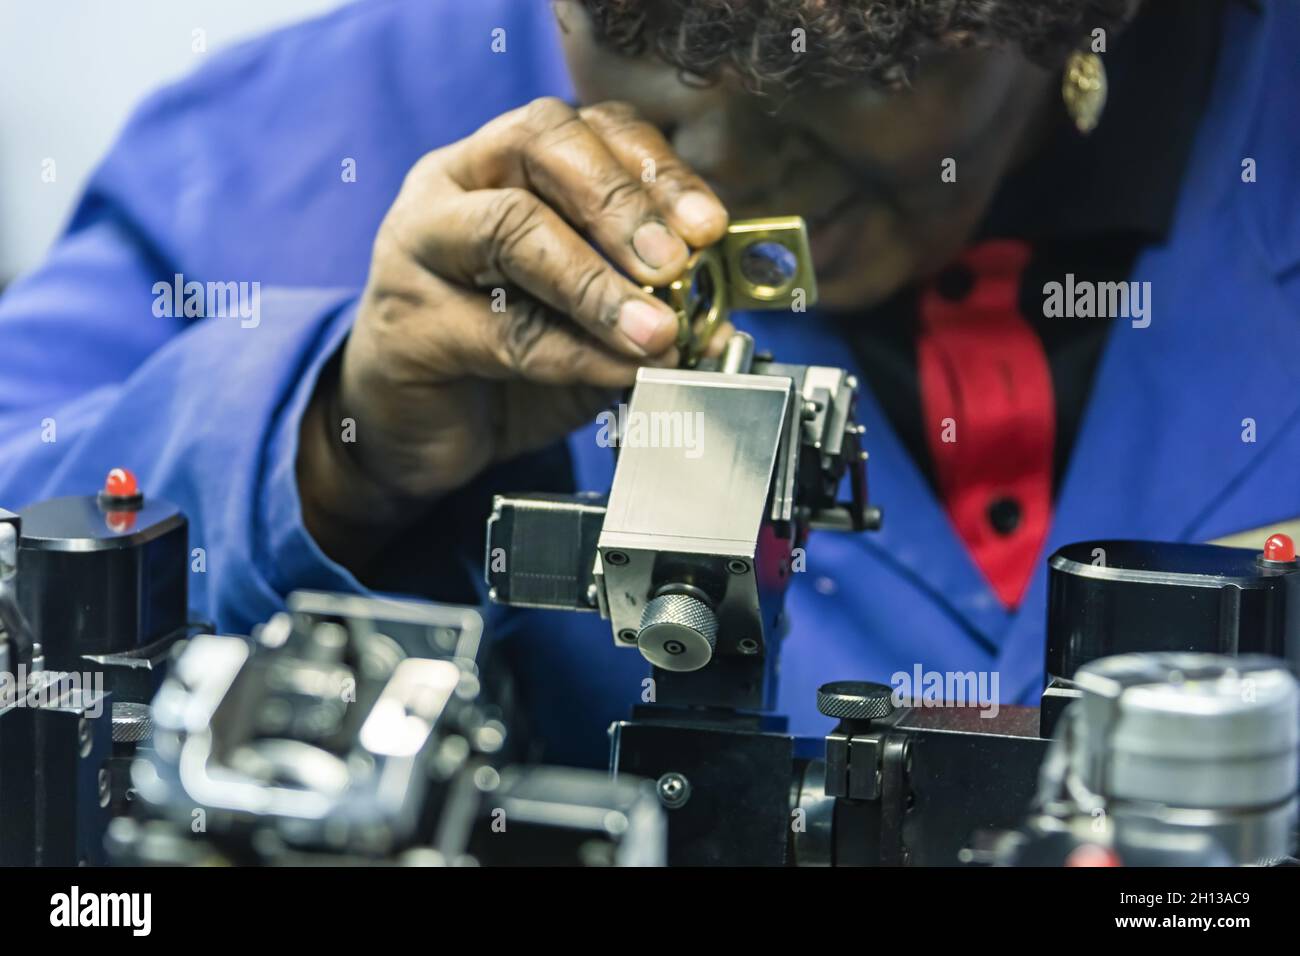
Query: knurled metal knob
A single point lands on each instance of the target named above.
(132, 723)
(678, 632)
(855, 700)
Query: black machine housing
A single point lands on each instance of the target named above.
(911, 785)
(96, 597)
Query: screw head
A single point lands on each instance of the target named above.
(674, 790)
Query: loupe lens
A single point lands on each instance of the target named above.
(768, 263)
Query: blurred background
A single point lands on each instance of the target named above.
(71, 71)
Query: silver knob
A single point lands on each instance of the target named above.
(678, 632)
(132, 723)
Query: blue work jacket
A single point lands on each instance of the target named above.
(240, 173)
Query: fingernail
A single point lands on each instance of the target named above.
(643, 323)
(698, 210)
(656, 246)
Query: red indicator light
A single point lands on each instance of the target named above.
(1092, 855)
(121, 484)
(1279, 547)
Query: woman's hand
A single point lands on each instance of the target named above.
(503, 309)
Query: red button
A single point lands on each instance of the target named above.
(1279, 547)
(121, 484)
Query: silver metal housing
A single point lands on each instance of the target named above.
(693, 511)
(1174, 748)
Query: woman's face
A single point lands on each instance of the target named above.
(864, 167)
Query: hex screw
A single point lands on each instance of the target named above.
(674, 790)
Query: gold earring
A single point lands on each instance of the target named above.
(1083, 88)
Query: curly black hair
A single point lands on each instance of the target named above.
(876, 40)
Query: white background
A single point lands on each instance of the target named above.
(70, 73)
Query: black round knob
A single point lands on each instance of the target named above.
(855, 700)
